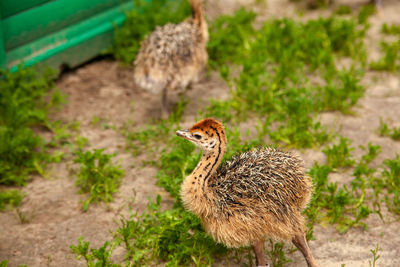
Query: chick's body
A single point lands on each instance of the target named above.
(256, 194)
(171, 57)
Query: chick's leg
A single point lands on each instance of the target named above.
(378, 3)
(258, 250)
(164, 104)
(301, 243)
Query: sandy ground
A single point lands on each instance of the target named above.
(52, 206)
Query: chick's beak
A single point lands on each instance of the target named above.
(183, 134)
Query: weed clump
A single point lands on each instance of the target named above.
(23, 106)
(97, 175)
(92, 256)
(339, 155)
(390, 60)
(11, 198)
(391, 183)
(385, 130)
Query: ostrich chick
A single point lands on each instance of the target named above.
(173, 55)
(256, 194)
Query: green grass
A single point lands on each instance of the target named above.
(270, 68)
(174, 236)
(370, 188)
(340, 205)
(332, 203)
(97, 175)
(229, 38)
(22, 107)
(11, 198)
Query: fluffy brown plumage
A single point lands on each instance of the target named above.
(173, 55)
(256, 194)
(261, 185)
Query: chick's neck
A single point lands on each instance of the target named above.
(209, 162)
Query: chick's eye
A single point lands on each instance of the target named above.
(197, 136)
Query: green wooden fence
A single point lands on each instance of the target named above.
(57, 31)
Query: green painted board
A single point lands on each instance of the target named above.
(59, 32)
(12, 7)
(50, 17)
(99, 28)
(2, 48)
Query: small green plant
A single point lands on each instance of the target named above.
(277, 255)
(393, 29)
(372, 152)
(384, 130)
(339, 155)
(97, 175)
(362, 172)
(23, 216)
(94, 257)
(375, 255)
(81, 142)
(11, 198)
(343, 10)
(4, 263)
(142, 20)
(95, 120)
(391, 181)
(390, 60)
(365, 13)
(63, 132)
